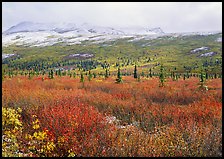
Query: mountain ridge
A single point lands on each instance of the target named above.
(28, 26)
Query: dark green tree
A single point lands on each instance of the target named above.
(150, 72)
(51, 74)
(143, 74)
(107, 73)
(94, 75)
(29, 75)
(119, 77)
(135, 72)
(90, 76)
(174, 75)
(161, 76)
(59, 72)
(202, 77)
(81, 78)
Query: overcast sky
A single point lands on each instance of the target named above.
(170, 16)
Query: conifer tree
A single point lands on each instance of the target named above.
(29, 76)
(135, 72)
(51, 74)
(107, 73)
(150, 72)
(59, 72)
(202, 80)
(142, 74)
(119, 78)
(94, 75)
(90, 76)
(81, 78)
(161, 77)
(206, 74)
(174, 75)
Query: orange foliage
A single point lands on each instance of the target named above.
(191, 119)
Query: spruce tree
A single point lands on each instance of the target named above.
(161, 77)
(173, 75)
(94, 75)
(29, 76)
(143, 74)
(51, 74)
(107, 73)
(206, 74)
(202, 80)
(119, 78)
(56, 73)
(81, 78)
(135, 72)
(150, 72)
(90, 76)
(59, 72)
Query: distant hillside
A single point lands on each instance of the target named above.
(186, 52)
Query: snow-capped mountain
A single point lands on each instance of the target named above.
(81, 29)
(35, 27)
(44, 34)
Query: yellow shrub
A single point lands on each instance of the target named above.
(12, 128)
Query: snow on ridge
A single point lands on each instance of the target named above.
(200, 49)
(28, 26)
(219, 39)
(84, 28)
(42, 34)
(6, 55)
(45, 38)
(208, 54)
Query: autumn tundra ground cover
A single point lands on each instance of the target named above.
(65, 117)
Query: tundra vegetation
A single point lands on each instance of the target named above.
(128, 100)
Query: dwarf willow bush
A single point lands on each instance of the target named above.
(17, 143)
(11, 128)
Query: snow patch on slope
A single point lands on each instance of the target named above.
(6, 55)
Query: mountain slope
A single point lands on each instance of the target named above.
(84, 28)
(47, 34)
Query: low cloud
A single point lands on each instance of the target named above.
(170, 16)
